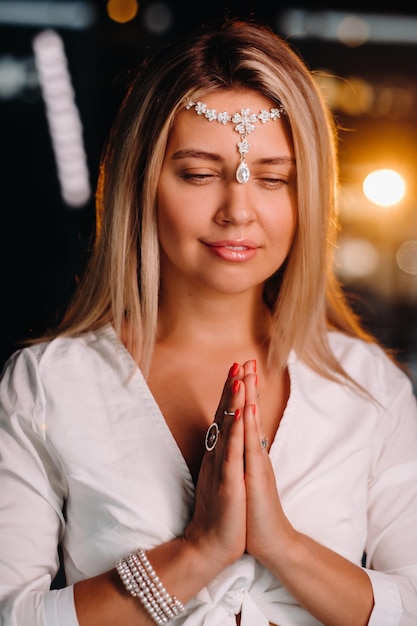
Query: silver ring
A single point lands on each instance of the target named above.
(212, 436)
(264, 443)
(229, 413)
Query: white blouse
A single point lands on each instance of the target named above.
(79, 427)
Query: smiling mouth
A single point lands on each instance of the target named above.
(234, 251)
(237, 245)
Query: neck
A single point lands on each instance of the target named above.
(214, 320)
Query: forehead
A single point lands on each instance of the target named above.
(233, 100)
(189, 125)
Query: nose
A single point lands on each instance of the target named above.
(236, 207)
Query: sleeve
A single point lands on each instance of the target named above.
(33, 491)
(391, 550)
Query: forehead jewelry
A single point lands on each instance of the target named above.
(244, 124)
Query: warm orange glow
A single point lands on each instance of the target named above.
(384, 187)
(122, 11)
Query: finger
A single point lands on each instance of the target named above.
(256, 442)
(251, 388)
(227, 453)
(252, 429)
(252, 399)
(234, 444)
(233, 395)
(250, 367)
(232, 398)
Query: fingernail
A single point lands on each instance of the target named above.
(234, 369)
(238, 413)
(254, 365)
(235, 386)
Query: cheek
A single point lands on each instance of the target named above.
(176, 220)
(167, 216)
(282, 224)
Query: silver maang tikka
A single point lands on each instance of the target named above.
(244, 124)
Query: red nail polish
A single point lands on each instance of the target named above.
(236, 386)
(234, 369)
(254, 365)
(238, 413)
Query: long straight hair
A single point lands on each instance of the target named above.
(121, 283)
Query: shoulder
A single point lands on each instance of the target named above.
(357, 356)
(367, 363)
(60, 363)
(370, 365)
(45, 353)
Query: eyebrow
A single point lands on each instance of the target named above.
(278, 160)
(213, 156)
(196, 154)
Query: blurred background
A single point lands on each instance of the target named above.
(64, 68)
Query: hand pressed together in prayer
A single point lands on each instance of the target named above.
(237, 505)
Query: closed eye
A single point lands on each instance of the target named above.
(197, 179)
(272, 182)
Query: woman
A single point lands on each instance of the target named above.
(209, 435)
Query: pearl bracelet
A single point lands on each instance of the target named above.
(140, 579)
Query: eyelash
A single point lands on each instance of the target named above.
(201, 179)
(274, 182)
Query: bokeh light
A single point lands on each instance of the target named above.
(122, 11)
(353, 31)
(356, 258)
(384, 187)
(407, 257)
(158, 18)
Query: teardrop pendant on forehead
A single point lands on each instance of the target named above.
(245, 123)
(242, 173)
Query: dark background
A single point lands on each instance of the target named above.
(44, 242)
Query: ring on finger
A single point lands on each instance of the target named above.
(212, 436)
(264, 443)
(229, 413)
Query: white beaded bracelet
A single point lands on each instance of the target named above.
(140, 579)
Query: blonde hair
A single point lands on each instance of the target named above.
(121, 282)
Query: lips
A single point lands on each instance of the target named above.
(236, 247)
(234, 250)
(242, 244)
